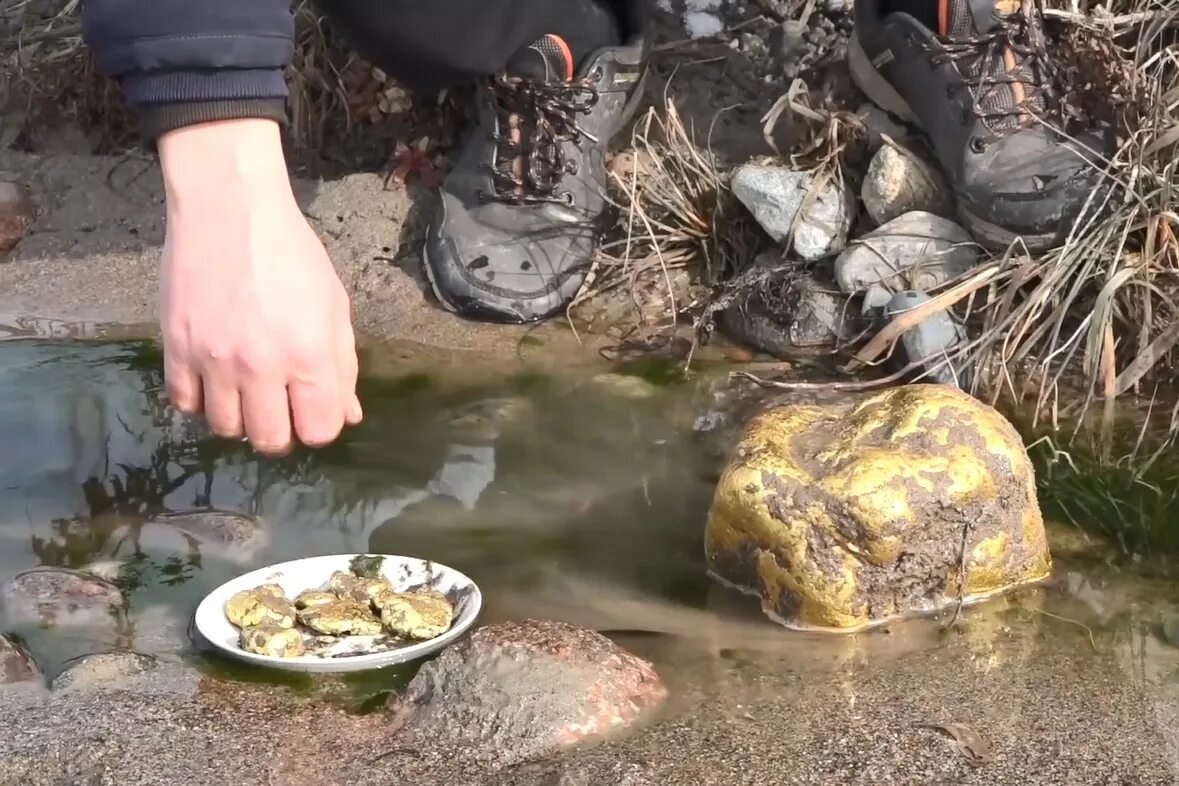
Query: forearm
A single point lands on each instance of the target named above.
(183, 62)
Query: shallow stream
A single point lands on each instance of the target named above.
(562, 495)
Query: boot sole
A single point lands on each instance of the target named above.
(628, 113)
(868, 79)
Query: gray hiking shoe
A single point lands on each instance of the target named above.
(970, 77)
(522, 210)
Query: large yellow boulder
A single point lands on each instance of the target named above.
(846, 515)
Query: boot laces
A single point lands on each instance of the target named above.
(534, 120)
(1011, 57)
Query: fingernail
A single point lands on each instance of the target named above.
(355, 412)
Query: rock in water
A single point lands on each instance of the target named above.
(917, 251)
(17, 212)
(775, 196)
(236, 535)
(523, 690)
(16, 665)
(57, 596)
(846, 515)
(102, 670)
(930, 340)
(899, 181)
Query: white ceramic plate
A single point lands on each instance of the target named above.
(404, 573)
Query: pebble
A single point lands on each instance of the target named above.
(915, 251)
(774, 196)
(930, 339)
(102, 670)
(899, 181)
(16, 665)
(17, 211)
(701, 24)
(58, 596)
(519, 691)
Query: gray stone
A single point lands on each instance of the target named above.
(519, 691)
(237, 534)
(930, 340)
(16, 665)
(102, 670)
(899, 181)
(775, 196)
(45, 597)
(915, 251)
(809, 316)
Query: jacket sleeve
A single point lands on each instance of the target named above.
(183, 62)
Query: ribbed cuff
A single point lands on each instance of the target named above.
(157, 119)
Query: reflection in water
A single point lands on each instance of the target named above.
(504, 480)
(560, 499)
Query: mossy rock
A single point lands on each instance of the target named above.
(842, 516)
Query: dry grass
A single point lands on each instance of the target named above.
(1097, 319)
(675, 212)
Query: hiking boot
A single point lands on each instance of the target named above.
(970, 78)
(524, 207)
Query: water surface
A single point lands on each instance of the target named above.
(561, 495)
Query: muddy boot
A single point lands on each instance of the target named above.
(968, 77)
(524, 207)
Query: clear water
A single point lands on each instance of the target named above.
(561, 496)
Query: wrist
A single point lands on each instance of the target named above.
(227, 163)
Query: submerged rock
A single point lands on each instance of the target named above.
(17, 211)
(845, 515)
(523, 690)
(58, 596)
(917, 251)
(236, 534)
(899, 181)
(16, 665)
(930, 340)
(775, 196)
(102, 670)
(625, 386)
(809, 316)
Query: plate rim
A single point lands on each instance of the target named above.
(367, 662)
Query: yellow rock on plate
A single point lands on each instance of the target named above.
(843, 516)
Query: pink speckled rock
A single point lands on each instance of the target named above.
(523, 690)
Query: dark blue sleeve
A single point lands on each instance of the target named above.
(188, 61)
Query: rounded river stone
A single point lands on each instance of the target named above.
(59, 596)
(102, 669)
(846, 515)
(523, 690)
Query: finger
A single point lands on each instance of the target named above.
(349, 368)
(355, 411)
(182, 384)
(266, 414)
(223, 407)
(316, 409)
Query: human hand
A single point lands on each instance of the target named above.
(256, 324)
